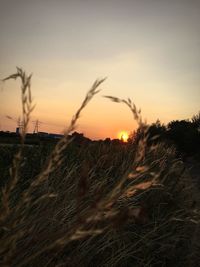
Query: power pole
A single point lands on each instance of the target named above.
(20, 124)
(36, 126)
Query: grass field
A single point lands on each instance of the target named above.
(96, 204)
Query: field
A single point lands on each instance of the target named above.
(97, 203)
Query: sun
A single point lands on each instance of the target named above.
(123, 136)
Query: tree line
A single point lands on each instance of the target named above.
(184, 134)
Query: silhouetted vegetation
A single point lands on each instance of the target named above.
(184, 134)
(75, 202)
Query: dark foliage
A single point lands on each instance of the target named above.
(184, 134)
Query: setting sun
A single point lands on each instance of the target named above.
(123, 136)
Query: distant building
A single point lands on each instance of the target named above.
(56, 136)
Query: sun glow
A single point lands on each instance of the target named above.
(123, 136)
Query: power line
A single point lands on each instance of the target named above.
(20, 124)
(37, 123)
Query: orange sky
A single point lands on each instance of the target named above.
(149, 50)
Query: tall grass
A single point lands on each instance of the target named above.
(106, 205)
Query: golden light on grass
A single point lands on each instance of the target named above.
(123, 136)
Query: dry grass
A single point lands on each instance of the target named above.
(129, 205)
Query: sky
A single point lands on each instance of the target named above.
(149, 50)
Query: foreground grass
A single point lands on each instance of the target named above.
(96, 204)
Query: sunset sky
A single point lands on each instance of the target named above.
(149, 50)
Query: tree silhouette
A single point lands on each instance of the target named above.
(184, 135)
(196, 121)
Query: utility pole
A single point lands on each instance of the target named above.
(37, 123)
(20, 124)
